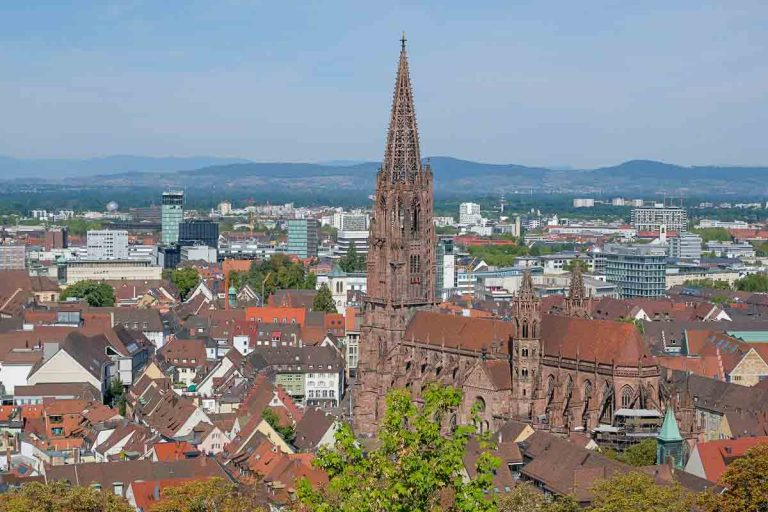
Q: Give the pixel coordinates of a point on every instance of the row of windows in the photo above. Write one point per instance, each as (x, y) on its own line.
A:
(325, 393)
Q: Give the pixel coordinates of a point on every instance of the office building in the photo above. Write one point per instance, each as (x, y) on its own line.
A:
(169, 256)
(685, 246)
(303, 237)
(731, 249)
(199, 253)
(147, 215)
(445, 276)
(637, 270)
(107, 244)
(351, 221)
(171, 215)
(651, 218)
(199, 232)
(12, 257)
(110, 270)
(346, 238)
(469, 214)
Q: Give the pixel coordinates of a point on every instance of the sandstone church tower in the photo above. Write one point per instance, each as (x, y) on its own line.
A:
(525, 348)
(401, 255)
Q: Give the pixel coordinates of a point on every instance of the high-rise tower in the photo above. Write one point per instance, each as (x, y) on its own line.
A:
(401, 253)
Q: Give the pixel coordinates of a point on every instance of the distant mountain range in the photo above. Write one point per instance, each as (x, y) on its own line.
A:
(64, 167)
(453, 177)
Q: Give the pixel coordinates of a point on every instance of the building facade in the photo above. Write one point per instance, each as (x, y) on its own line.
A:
(445, 272)
(12, 257)
(651, 218)
(111, 270)
(401, 256)
(199, 232)
(685, 246)
(171, 215)
(637, 271)
(469, 214)
(303, 237)
(107, 244)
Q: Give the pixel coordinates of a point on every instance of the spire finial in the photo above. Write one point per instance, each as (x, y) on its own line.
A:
(402, 41)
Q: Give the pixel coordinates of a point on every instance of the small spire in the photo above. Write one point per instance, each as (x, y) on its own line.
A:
(402, 41)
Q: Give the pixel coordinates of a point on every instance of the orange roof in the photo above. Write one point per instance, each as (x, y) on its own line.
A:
(144, 491)
(716, 455)
(173, 450)
(268, 314)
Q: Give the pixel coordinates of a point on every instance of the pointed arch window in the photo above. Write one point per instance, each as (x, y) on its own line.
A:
(627, 393)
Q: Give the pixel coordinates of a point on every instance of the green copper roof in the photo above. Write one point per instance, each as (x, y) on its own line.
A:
(337, 272)
(750, 336)
(669, 431)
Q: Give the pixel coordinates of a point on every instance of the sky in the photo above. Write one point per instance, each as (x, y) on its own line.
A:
(551, 83)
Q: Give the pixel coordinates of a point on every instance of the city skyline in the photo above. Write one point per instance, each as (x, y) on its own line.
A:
(564, 85)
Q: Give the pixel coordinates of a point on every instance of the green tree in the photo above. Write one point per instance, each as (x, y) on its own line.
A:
(753, 283)
(717, 284)
(414, 468)
(324, 300)
(571, 265)
(61, 497)
(640, 454)
(115, 395)
(215, 494)
(712, 234)
(277, 273)
(352, 261)
(745, 482)
(185, 280)
(638, 492)
(524, 497)
(270, 416)
(94, 293)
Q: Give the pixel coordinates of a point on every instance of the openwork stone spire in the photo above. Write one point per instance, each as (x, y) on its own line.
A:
(402, 240)
(577, 302)
(402, 160)
(526, 309)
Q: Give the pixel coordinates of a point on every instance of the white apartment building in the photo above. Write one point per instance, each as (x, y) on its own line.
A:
(107, 244)
(583, 203)
(112, 270)
(469, 214)
(651, 218)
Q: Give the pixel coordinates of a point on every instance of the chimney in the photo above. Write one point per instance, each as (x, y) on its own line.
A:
(49, 349)
(156, 492)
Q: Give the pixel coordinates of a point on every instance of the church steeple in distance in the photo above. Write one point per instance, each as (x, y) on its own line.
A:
(402, 236)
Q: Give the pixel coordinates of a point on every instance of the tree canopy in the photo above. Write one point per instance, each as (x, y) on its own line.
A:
(185, 279)
(271, 417)
(324, 300)
(61, 497)
(753, 283)
(214, 494)
(717, 284)
(414, 467)
(638, 492)
(712, 234)
(640, 454)
(94, 293)
(276, 273)
(524, 497)
(745, 482)
(352, 261)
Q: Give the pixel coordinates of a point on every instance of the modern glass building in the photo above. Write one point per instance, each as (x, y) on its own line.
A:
(636, 270)
(303, 237)
(171, 215)
(199, 232)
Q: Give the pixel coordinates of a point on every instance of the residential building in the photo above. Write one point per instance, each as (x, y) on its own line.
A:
(469, 214)
(685, 246)
(351, 221)
(651, 218)
(583, 203)
(172, 214)
(12, 257)
(107, 244)
(711, 459)
(56, 239)
(303, 237)
(637, 270)
(199, 232)
(341, 283)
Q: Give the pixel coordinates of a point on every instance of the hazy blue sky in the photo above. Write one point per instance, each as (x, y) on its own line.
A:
(581, 83)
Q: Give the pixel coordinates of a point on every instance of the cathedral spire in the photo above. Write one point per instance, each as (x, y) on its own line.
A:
(577, 302)
(402, 160)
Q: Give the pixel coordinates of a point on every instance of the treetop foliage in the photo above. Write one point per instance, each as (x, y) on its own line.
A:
(96, 294)
(324, 300)
(276, 273)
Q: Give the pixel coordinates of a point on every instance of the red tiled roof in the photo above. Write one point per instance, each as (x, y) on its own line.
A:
(716, 455)
(453, 331)
(173, 450)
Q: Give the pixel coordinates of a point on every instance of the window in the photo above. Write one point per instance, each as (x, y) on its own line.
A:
(55, 419)
(626, 396)
(525, 352)
(524, 373)
(57, 431)
(117, 488)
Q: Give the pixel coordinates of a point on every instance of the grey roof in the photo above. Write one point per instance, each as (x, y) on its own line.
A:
(307, 359)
